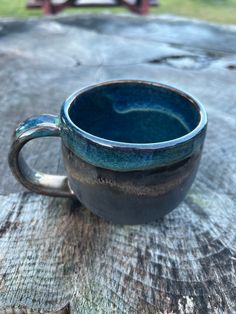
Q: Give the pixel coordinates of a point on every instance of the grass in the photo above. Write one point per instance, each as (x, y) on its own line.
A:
(222, 11)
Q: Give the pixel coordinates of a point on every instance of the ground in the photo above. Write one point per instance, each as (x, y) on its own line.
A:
(222, 11)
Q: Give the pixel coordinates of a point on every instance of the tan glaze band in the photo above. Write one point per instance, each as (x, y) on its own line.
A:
(88, 174)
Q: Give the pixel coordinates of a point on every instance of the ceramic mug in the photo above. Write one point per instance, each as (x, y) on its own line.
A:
(131, 149)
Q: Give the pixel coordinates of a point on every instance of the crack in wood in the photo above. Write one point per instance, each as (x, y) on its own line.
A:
(25, 310)
(185, 62)
(231, 66)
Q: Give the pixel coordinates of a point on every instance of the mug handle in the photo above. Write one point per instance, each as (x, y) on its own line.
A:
(40, 126)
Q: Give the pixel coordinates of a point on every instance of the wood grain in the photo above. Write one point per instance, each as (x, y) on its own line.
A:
(55, 256)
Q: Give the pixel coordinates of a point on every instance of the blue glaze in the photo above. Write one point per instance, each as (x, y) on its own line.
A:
(35, 125)
(132, 113)
(127, 125)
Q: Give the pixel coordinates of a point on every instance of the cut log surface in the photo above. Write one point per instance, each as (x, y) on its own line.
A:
(56, 256)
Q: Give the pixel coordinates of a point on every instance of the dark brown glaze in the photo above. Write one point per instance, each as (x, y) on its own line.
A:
(130, 197)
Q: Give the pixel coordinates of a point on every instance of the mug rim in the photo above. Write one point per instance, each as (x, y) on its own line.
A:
(155, 145)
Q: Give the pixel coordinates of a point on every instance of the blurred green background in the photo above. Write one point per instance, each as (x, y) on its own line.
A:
(222, 11)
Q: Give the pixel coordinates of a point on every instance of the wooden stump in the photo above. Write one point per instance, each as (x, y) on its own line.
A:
(58, 257)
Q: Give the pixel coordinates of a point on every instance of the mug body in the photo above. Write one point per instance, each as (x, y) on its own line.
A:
(131, 149)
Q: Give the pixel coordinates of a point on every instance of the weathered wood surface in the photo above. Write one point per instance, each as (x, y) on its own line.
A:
(57, 256)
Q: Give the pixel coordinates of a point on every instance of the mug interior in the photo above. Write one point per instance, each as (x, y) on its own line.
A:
(134, 112)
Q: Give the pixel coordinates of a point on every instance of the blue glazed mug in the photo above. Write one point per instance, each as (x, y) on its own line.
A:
(131, 149)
